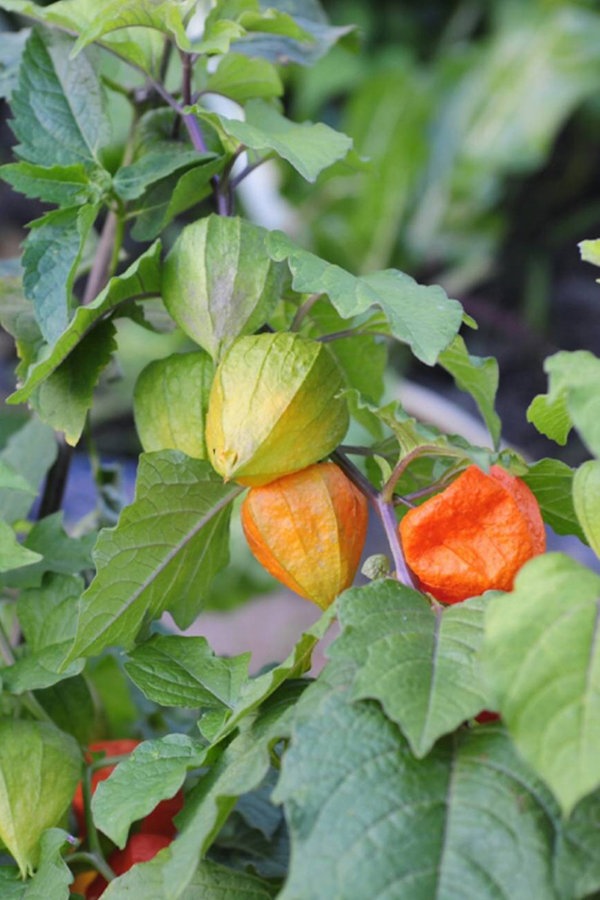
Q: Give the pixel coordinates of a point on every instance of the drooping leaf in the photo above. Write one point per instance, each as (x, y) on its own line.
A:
(142, 278)
(309, 148)
(420, 665)
(51, 256)
(478, 376)
(423, 317)
(53, 875)
(240, 768)
(551, 481)
(48, 762)
(468, 820)
(174, 670)
(12, 553)
(166, 547)
(240, 78)
(541, 660)
(154, 771)
(573, 398)
(170, 401)
(59, 106)
(586, 500)
(219, 281)
(30, 452)
(65, 396)
(166, 17)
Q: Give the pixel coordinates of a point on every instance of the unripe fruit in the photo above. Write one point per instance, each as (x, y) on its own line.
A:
(474, 536)
(308, 530)
(274, 408)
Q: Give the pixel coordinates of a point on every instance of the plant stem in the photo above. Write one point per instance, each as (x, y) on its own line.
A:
(27, 699)
(56, 480)
(99, 272)
(93, 861)
(303, 311)
(423, 450)
(390, 525)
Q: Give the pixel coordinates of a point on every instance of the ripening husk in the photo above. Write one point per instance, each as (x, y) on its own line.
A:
(474, 536)
(274, 408)
(308, 530)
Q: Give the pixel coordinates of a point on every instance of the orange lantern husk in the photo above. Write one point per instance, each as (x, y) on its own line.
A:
(308, 530)
(474, 536)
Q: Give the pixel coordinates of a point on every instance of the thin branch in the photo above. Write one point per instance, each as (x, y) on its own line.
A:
(303, 310)
(56, 480)
(104, 254)
(423, 450)
(354, 474)
(390, 525)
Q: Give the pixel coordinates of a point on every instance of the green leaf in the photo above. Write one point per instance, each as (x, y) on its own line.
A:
(71, 706)
(59, 106)
(12, 46)
(64, 398)
(163, 552)
(47, 616)
(51, 256)
(153, 771)
(420, 665)
(309, 148)
(12, 554)
(174, 670)
(577, 855)
(59, 551)
(586, 500)
(573, 396)
(13, 481)
(212, 881)
(166, 17)
(590, 251)
(63, 185)
(170, 401)
(241, 78)
(470, 818)
(30, 452)
(542, 659)
(140, 279)
(170, 196)
(131, 181)
(240, 768)
(48, 762)
(551, 417)
(421, 316)
(478, 376)
(52, 879)
(551, 481)
(219, 281)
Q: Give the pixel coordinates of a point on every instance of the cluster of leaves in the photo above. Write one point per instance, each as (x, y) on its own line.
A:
(367, 781)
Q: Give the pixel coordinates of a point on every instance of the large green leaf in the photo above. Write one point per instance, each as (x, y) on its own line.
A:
(573, 398)
(166, 16)
(174, 670)
(46, 763)
(141, 278)
(477, 376)
(240, 768)
(368, 819)
(541, 658)
(58, 108)
(421, 316)
(219, 281)
(309, 148)
(164, 551)
(421, 665)
(586, 500)
(51, 256)
(552, 481)
(154, 771)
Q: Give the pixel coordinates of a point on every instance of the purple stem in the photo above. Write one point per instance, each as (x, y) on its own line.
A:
(390, 525)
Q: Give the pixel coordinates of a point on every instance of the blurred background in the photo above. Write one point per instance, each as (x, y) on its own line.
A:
(477, 132)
